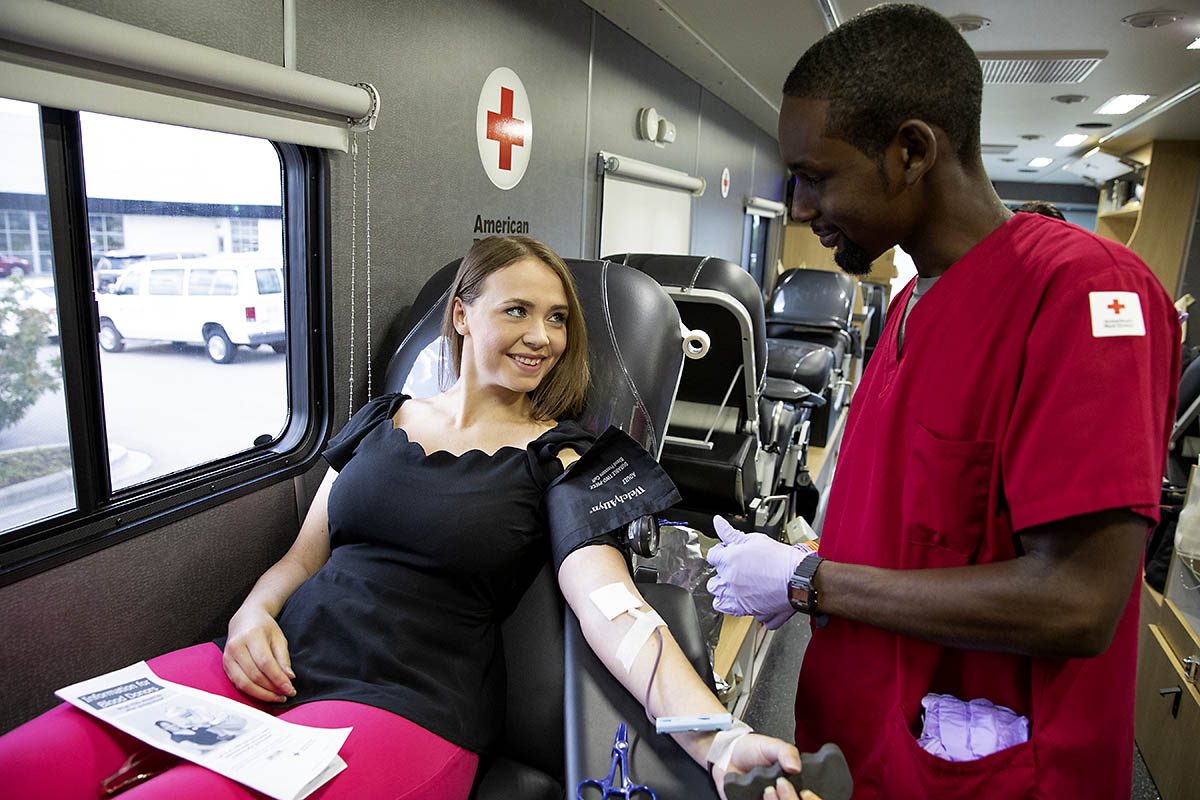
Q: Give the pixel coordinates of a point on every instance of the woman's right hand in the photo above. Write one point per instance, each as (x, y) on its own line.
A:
(256, 658)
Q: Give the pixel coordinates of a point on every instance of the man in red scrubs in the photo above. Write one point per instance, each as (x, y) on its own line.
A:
(1003, 455)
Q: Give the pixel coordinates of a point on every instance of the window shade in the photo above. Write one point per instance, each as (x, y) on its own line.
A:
(66, 58)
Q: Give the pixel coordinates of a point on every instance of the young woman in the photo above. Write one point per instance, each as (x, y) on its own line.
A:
(384, 614)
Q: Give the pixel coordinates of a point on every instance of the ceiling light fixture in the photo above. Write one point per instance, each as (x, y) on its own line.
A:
(1071, 140)
(1122, 103)
(1040, 161)
(1152, 19)
(1194, 45)
(1146, 116)
(968, 23)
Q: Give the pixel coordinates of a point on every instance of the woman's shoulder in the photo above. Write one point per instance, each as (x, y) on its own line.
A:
(566, 433)
(564, 442)
(341, 446)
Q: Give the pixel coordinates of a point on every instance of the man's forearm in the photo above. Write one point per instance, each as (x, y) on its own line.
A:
(1061, 599)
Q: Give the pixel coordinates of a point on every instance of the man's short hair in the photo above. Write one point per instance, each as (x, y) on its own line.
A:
(1041, 207)
(888, 64)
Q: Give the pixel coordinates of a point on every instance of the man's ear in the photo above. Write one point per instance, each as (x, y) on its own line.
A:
(917, 145)
(460, 317)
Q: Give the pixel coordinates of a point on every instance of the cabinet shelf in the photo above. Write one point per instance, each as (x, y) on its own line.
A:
(1158, 228)
(1129, 212)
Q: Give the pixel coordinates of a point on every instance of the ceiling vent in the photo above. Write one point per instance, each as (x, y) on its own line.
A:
(1039, 67)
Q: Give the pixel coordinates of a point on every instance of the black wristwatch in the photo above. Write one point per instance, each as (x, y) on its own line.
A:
(801, 592)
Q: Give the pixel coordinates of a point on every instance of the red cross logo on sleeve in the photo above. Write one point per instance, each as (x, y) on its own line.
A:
(1115, 305)
(505, 128)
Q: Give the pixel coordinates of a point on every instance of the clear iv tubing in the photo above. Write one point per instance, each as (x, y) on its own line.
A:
(653, 672)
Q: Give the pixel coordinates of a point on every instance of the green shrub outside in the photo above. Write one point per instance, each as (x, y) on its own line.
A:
(22, 378)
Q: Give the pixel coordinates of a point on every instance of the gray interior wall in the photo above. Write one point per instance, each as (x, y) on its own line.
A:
(720, 221)
(170, 588)
(586, 80)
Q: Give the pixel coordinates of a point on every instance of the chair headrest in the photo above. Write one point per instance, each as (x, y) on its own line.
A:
(814, 297)
(715, 274)
(635, 348)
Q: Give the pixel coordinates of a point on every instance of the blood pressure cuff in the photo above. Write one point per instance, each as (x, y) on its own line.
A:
(611, 485)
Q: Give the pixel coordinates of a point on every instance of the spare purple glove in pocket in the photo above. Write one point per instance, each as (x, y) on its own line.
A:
(957, 730)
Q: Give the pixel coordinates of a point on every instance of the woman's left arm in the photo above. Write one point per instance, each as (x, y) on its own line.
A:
(677, 689)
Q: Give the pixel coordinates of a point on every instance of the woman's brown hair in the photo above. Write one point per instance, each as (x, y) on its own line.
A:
(561, 392)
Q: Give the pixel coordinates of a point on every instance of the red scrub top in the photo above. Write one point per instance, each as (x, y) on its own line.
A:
(1026, 393)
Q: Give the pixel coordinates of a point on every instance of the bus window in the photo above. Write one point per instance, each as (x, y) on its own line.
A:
(35, 458)
(157, 284)
(192, 369)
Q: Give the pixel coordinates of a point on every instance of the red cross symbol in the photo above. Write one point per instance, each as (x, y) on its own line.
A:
(1116, 305)
(505, 128)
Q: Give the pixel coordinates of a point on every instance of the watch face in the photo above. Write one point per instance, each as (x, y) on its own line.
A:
(799, 598)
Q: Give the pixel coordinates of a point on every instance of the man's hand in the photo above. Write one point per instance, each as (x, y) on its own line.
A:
(752, 574)
(256, 658)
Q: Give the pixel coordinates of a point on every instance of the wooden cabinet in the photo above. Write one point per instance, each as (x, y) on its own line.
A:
(1158, 229)
(1167, 725)
(803, 250)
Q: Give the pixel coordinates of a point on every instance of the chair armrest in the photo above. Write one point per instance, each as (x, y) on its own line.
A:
(596, 702)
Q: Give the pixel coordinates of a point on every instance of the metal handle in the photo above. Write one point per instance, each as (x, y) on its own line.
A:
(1177, 691)
(1191, 669)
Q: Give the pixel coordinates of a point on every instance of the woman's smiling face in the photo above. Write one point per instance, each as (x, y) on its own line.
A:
(516, 329)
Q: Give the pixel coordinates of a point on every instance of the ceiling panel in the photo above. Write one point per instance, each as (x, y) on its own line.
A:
(742, 52)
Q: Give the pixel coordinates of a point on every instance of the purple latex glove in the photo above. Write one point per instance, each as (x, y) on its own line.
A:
(752, 574)
(956, 730)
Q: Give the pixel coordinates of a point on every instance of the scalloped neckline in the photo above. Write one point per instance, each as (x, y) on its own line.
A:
(473, 452)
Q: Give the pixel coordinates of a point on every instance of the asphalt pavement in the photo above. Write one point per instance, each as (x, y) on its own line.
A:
(166, 409)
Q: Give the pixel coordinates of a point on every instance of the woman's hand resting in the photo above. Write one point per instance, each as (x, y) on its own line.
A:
(756, 750)
(256, 656)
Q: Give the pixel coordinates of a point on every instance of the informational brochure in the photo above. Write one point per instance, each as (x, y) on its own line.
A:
(278, 758)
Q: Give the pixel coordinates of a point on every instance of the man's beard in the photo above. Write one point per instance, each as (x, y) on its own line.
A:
(852, 258)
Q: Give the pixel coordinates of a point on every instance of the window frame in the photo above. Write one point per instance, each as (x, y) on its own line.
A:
(102, 517)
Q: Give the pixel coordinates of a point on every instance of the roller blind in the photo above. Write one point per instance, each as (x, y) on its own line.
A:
(66, 58)
(639, 217)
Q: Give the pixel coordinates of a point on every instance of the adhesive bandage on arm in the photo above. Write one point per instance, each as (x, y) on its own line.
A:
(643, 628)
(615, 599)
(721, 750)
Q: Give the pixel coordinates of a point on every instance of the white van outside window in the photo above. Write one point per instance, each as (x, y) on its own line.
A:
(220, 302)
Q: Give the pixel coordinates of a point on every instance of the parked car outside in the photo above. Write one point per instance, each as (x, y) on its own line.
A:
(11, 264)
(112, 265)
(220, 302)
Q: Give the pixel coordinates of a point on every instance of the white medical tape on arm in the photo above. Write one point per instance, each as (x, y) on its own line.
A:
(614, 599)
(721, 750)
(631, 643)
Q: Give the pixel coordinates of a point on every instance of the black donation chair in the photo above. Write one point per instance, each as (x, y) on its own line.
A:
(874, 315)
(811, 339)
(635, 352)
(1184, 443)
(730, 449)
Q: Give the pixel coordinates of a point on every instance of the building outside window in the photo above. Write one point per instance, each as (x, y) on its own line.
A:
(107, 232)
(244, 235)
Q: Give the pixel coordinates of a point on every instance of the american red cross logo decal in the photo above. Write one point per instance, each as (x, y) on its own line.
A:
(505, 128)
(1116, 306)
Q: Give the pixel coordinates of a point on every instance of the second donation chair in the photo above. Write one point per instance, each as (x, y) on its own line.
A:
(737, 440)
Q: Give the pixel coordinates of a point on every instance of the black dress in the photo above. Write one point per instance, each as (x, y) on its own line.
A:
(429, 553)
